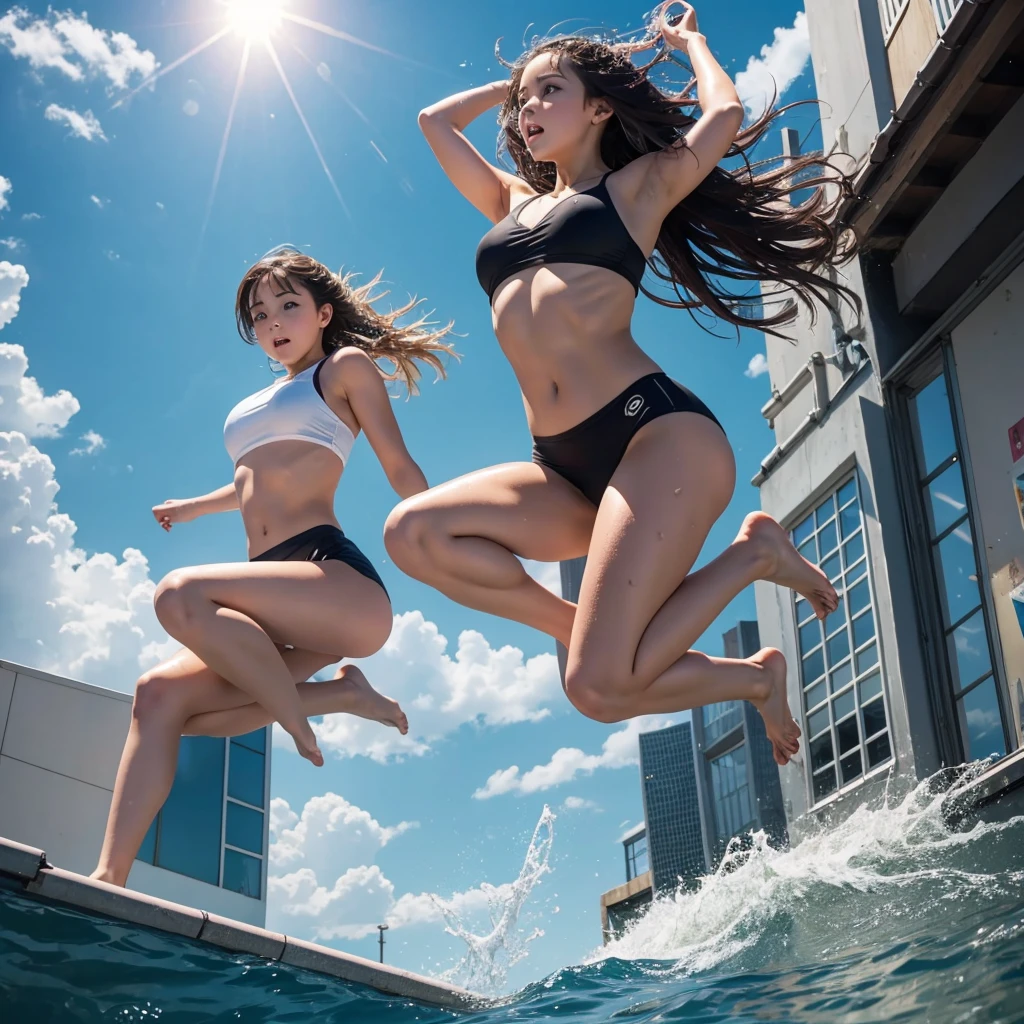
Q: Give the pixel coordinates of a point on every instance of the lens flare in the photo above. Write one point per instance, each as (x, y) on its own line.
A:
(254, 19)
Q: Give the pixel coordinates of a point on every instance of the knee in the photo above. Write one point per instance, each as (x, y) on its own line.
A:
(410, 534)
(176, 601)
(156, 696)
(593, 693)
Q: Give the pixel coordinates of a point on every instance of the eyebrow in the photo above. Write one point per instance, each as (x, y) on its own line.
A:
(288, 289)
(541, 78)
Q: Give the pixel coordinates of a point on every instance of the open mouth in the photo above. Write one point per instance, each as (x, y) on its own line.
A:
(533, 130)
(278, 342)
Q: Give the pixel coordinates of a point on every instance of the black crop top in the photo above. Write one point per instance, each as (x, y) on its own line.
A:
(582, 228)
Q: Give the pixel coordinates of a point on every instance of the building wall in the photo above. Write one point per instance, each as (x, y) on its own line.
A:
(988, 348)
(60, 746)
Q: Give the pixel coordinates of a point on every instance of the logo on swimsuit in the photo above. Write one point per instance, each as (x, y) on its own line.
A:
(634, 405)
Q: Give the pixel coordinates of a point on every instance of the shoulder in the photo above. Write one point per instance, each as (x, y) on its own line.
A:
(349, 368)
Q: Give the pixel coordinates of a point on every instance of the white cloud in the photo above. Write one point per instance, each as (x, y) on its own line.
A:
(781, 63)
(440, 692)
(23, 404)
(31, 216)
(578, 803)
(99, 202)
(620, 749)
(159, 205)
(547, 574)
(190, 108)
(5, 187)
(322, 874)
(68, 42)
(83, 126)
(93, 443)
(757, 365)
(13, 277)
(11, 243)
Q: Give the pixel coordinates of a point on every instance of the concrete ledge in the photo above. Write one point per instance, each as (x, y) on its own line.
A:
(28, 866)
(1005, 775)
(20, 862)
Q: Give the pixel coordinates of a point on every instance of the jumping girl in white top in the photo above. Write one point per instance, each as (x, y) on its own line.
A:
(307, 597)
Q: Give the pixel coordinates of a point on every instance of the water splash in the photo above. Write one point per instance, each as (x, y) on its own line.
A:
(866, 880)
(488, 959)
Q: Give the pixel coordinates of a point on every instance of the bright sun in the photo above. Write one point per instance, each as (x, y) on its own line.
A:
(254, 19)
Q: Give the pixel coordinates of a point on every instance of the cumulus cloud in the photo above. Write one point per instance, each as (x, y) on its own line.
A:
(322, 874)
(11, 243)
(757, 365)
(24, 406)
(5, 188)
(93, 443)
(83, 126)
(70, 44)
(441, 692)
(13, 277)
(781, 63)
(31, 216)
(619, 750)
(578, 803)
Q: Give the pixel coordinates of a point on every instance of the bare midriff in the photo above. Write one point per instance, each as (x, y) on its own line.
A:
(565, 328)
(284, 488)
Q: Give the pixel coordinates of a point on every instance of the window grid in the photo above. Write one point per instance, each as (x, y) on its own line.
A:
(730, 787)
(637, 861)
(846, 719)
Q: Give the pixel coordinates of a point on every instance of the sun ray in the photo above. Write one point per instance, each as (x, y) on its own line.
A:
(305, 124)
(243, 63)
(319, 26)
(175, 64)
(334, 85)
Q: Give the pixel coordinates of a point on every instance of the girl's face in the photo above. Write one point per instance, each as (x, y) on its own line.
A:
(286, 319)
(556, 116)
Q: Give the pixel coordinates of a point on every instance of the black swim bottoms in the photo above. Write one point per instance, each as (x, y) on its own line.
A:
(587, 455)
(322, 544)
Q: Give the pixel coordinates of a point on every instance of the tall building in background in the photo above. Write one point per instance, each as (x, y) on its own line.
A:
(899, 458)
(60, 748)
(737, 778)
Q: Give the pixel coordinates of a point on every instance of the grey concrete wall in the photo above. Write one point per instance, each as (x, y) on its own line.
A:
(988, 349)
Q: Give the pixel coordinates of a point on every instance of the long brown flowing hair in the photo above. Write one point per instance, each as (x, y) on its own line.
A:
(738, 225)
(355, 321)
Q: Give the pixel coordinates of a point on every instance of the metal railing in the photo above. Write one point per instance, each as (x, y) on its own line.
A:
(944, 11)
(891, 11)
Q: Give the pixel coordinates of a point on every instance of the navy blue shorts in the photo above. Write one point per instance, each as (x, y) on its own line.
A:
(322, 544)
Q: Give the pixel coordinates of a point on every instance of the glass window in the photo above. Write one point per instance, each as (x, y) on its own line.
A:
(933, 426)
(637, 861)
(835, 730)
(958, 574)
(982, 722)
(148, 849)
(244, 828)
(245, 775)
(720, 719)
(730, 791)
(242, 873)
(190, 820)
(256, 740)
(947, 503)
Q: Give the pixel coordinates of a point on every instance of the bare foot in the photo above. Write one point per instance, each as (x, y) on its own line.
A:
(783, 732)
(786, 566)
(306, 745)
(368, 702)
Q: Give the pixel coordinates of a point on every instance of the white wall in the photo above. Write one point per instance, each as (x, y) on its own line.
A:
(60, 745)
(989, 351)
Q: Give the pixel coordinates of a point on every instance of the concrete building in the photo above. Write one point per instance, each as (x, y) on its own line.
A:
(626, 902)
(60, 744)
(899, 438)
(738, 786)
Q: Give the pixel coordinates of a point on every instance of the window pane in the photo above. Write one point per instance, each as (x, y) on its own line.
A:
(815, 695)
(841, 676)
(810, 636)
(968, 650)
(851, 766)
(838, 647)
(847, 491)
(803, 531)
(831, 567)
(958, 573)
(824, 783)
(859, 597)
(874, 717)
(879, 751)
(867, 658)
(821, 751)
(242, 873)
(933, 424)
(731, 793)
(245, 775)
(844, 705)
(256, 740)
(853, 549)
(980, 722)
(817, 722)
(828, 539)
(825, 511)
(191, 817)
(869, 688)
(837, 618)
(147, 851)
(945, 499)
(863, 628)
(847, 734)
(814, 666)
(803, 610)
(244, 828)
(860, 569)
(849, 520)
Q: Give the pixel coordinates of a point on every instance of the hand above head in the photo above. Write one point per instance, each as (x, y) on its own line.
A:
(677, 31)
(175, 510)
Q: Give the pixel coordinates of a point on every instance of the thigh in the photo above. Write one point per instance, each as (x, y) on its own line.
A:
(199, 689)
(673, 483)
(526, 508)
(319, 606)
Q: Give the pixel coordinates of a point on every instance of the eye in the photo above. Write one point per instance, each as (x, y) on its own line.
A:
(259, 316)
(549, 86)
(290, 303)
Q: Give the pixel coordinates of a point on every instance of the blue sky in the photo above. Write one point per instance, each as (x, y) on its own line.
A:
(123, 336)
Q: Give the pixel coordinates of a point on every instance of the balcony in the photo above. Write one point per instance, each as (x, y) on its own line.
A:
(912, 28)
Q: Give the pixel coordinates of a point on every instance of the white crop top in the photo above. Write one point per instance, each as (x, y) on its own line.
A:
(291, 409)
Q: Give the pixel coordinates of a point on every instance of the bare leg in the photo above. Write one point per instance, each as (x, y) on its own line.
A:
(349, 692)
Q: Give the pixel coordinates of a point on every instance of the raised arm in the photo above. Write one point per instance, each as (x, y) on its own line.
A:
(671, 175)
(355, 377)
(487, 187)
(184, 510)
